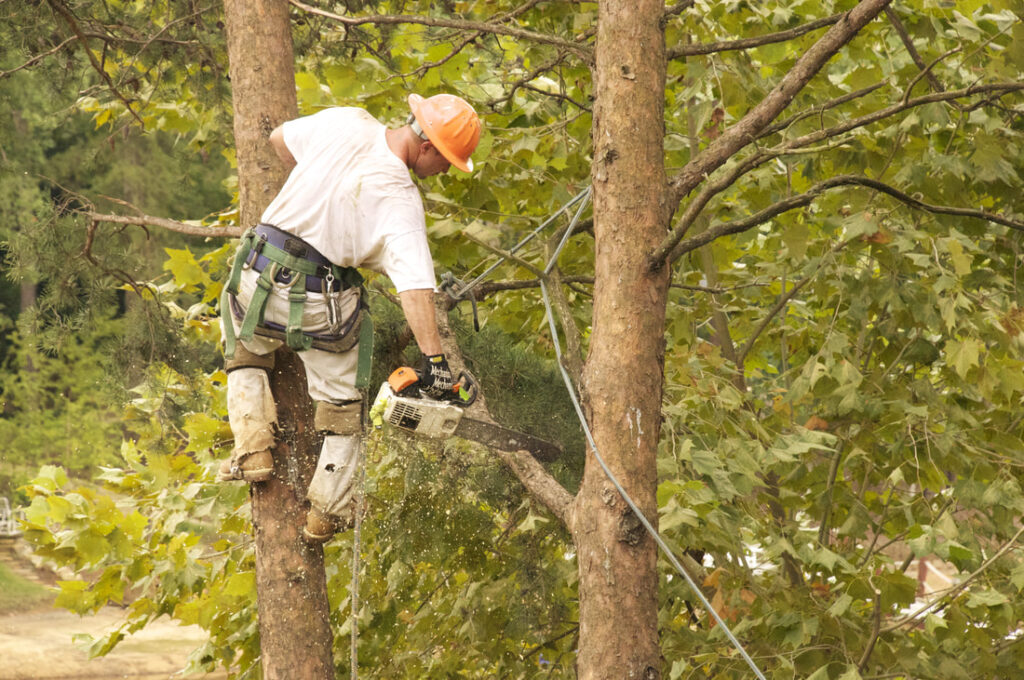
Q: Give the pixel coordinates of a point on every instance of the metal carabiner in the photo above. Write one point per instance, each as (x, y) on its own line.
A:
(331, 299)
(254, 251)
(292, 277)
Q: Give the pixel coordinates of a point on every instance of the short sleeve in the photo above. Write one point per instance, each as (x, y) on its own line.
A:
(408, 262)
(300, 133)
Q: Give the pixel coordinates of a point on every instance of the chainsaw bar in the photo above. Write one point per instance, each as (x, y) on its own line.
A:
(504, 439)
(402, 405)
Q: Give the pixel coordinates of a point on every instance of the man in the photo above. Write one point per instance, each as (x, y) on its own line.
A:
(348, 202)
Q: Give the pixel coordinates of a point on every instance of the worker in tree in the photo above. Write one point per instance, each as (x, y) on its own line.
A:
(348, 202)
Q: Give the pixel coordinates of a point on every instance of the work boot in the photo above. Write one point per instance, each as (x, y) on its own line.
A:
(252, 467)
(321, 527)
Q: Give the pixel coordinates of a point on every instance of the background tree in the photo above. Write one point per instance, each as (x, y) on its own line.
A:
(291, 588)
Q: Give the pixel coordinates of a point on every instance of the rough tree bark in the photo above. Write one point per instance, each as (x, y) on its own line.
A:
(295, 632)
(623, 372)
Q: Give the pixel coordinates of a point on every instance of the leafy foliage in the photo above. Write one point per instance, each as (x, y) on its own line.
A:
(843, 380)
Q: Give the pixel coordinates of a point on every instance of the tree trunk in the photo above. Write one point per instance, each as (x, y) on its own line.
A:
(623, 375)
(295, 632)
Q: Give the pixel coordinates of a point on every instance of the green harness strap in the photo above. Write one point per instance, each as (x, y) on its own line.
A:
(365, 353)
(258, 305)
(231, 288)
(296, 301)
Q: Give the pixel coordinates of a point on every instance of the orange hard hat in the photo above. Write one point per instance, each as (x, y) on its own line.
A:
(451, 125)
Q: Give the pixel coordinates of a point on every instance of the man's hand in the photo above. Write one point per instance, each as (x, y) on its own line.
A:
(436, 379)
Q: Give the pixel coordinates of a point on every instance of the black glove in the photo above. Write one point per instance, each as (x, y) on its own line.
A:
(436, 379)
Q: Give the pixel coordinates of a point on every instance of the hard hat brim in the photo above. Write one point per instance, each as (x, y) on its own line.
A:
(464, 164)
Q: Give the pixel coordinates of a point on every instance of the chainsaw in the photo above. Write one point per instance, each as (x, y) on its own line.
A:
(401, 403)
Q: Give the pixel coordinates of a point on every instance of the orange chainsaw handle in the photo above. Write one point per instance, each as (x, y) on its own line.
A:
(402, 378)
(464, 391)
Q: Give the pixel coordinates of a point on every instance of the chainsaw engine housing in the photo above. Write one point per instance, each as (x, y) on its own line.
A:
(419, 415)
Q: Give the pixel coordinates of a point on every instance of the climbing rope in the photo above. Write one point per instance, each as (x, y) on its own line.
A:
(570, 387)
(353, 586)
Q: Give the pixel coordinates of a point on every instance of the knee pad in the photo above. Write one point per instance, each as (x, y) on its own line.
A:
(245, 359)
(252, 413)
(332, 489)
(346, 418)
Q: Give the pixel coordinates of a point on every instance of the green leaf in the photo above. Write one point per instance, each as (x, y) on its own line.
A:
(74, 595)
(1017, 577)
(242, 584)
(962, 355)
(820, 674)
(986, 598)
(961, 260)
(841, 605)
(188, 274)
(851, 673)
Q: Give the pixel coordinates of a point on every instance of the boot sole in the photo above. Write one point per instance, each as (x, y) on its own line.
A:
(316, 538)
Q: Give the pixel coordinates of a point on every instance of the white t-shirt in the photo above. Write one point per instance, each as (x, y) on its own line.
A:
(351, 198)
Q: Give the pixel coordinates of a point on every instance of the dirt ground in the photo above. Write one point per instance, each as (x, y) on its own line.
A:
(37, 646)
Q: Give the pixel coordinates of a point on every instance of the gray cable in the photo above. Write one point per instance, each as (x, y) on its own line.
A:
(585, 197)
(457, 295)
(625, 496)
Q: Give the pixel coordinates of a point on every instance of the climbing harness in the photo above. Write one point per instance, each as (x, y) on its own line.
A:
(286, 262)
(570, 387)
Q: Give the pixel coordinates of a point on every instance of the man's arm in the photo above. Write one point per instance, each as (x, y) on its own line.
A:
(418, 306)
(280, 148)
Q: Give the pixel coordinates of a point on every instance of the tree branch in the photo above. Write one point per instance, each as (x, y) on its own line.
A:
(667, 250)
(541, 486)
(747, 129)
(756, 41)
(820, 109)
(461, 24)
(908, 43)
(556, 95)
(423, 68)
(876, 630)
(546, 66)
(801, 200)
(38, 57)
(677, 9)
(959, 588)
(66, 14)
(143, 220)
(881, 114)
(504, 254)
(488, 288)
(573, 354)
(783, 301)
